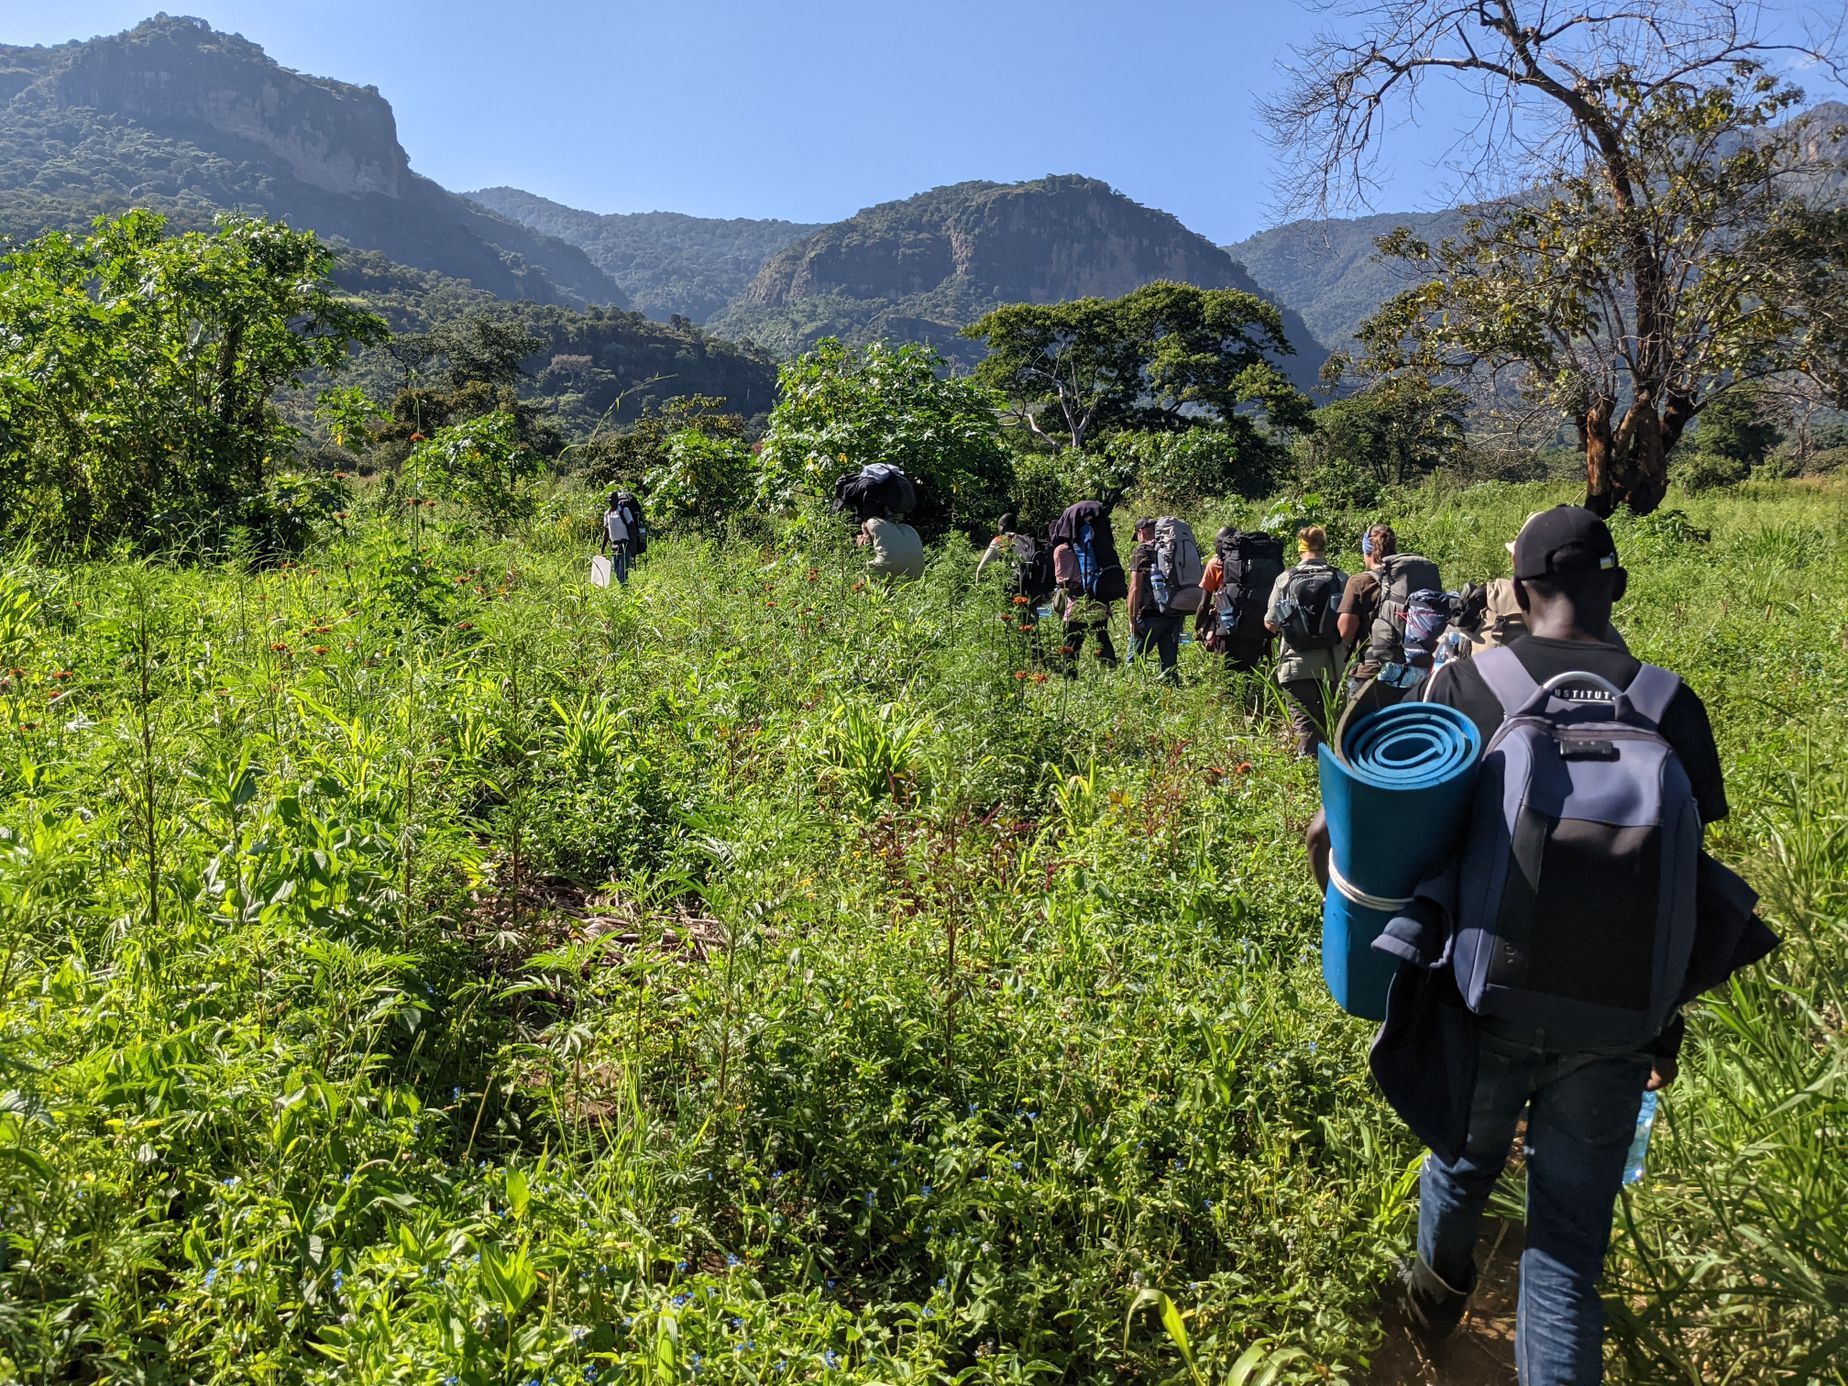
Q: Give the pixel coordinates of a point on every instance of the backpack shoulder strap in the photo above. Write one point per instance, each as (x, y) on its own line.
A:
(1651, 692)
(1507, 679)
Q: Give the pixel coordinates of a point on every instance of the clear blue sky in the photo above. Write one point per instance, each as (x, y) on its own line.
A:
(807, 109)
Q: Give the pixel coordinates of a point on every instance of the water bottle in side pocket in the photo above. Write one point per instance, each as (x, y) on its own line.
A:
(1639, 1143)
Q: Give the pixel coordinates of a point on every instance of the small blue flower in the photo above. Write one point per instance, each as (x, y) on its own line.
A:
(730, 1259)
(832, 1358)
(869, 1198)
(682, 1300)
(928, 1191)
(210, 1276)
(681, 1266)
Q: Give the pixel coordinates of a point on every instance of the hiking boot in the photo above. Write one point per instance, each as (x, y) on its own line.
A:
(1433, 1306)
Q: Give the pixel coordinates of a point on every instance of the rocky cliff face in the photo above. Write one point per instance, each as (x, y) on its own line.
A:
(175, 116)
(181, 76)
(927, 266)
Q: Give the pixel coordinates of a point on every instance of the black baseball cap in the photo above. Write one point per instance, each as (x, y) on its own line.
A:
(1146, 522)
(1565, 539)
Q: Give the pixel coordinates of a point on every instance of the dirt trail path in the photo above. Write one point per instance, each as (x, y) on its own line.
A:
(1482, 1353)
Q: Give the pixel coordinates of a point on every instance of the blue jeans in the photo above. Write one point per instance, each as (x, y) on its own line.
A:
(1581, 1115)
(619, 561)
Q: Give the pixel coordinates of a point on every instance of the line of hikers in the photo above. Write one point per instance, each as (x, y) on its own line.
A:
(1542, 970)
(1362, 642)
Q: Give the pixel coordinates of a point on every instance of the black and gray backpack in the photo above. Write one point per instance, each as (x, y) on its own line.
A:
(1575, 907)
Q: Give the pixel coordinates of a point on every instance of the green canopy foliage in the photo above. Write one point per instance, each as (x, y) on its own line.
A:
(842, 409)
(1161, 359)
(138, 370)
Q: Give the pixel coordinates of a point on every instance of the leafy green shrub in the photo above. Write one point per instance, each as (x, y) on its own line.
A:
(1709, 471)
(698, 481)
(481, 464)
(842, 409)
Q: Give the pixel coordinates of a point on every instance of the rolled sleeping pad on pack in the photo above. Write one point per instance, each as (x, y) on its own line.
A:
(1396, 798)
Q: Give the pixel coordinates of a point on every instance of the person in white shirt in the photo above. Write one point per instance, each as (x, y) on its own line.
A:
(616, 538)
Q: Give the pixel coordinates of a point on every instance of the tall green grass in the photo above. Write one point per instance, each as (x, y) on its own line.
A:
(420, 964)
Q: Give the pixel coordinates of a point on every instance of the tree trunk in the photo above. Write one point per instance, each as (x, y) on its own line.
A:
(1628, 465)
(1594, 431)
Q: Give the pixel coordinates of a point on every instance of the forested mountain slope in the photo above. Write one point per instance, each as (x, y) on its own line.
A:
(925, 267)
(666, 262)
(176, 116)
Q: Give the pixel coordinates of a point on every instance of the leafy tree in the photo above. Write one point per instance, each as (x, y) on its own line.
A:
(1665, 247)
(349, 414)
(481, 464)
(1162, 358)
(631, 455)
(1398, 430)
(842, 409)
(138, 369)
(1741, 425)
(698, 479)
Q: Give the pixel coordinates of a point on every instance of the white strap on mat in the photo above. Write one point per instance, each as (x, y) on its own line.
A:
(1353, 893)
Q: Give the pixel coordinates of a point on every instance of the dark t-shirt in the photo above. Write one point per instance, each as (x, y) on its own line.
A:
(1685, 725)
(1361, 597)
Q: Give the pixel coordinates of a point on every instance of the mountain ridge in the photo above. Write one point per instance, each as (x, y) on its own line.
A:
(667, 262)
(928, 265)
(175, 115)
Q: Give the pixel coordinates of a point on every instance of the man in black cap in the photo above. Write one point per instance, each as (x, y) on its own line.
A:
(1580, 1105)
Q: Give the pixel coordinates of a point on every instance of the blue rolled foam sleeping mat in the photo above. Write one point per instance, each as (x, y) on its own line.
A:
(1396, 798)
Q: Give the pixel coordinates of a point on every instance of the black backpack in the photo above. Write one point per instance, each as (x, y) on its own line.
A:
(1309, 612)
(1033, 576)
(1252, 561)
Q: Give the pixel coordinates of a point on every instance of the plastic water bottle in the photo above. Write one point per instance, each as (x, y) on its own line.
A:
(1160, 583)
(1639, 1143)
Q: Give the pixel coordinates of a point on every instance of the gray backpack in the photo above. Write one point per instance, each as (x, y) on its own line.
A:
(1575, 904)
(1400, 575)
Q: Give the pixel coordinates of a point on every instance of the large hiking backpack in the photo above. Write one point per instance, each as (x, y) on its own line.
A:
(1177, 571)
(1576, 891)
(1427, 616)
(1033, 575)
(1309, 612)
(878, 490)
(1251, 561)
(1099, 573)
(1400, 575)
(638, 529)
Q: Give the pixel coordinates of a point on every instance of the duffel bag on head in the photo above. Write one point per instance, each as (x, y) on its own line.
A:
(1578, 873)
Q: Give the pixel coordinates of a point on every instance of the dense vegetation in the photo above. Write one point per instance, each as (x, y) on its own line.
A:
(421, 965)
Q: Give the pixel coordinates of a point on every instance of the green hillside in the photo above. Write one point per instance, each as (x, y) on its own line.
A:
(176, 116)
(927, 266)
(666, 262)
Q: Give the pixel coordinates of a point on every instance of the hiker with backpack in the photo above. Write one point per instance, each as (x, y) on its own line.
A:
(632, 516)
(1394, 613)
(1028, 562)
(898, 552)
(1090, 579)
(1164, 589)
(1502, 621)
(1236, 588)
(1304, 613)
(617, 537)
(1542, 972)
